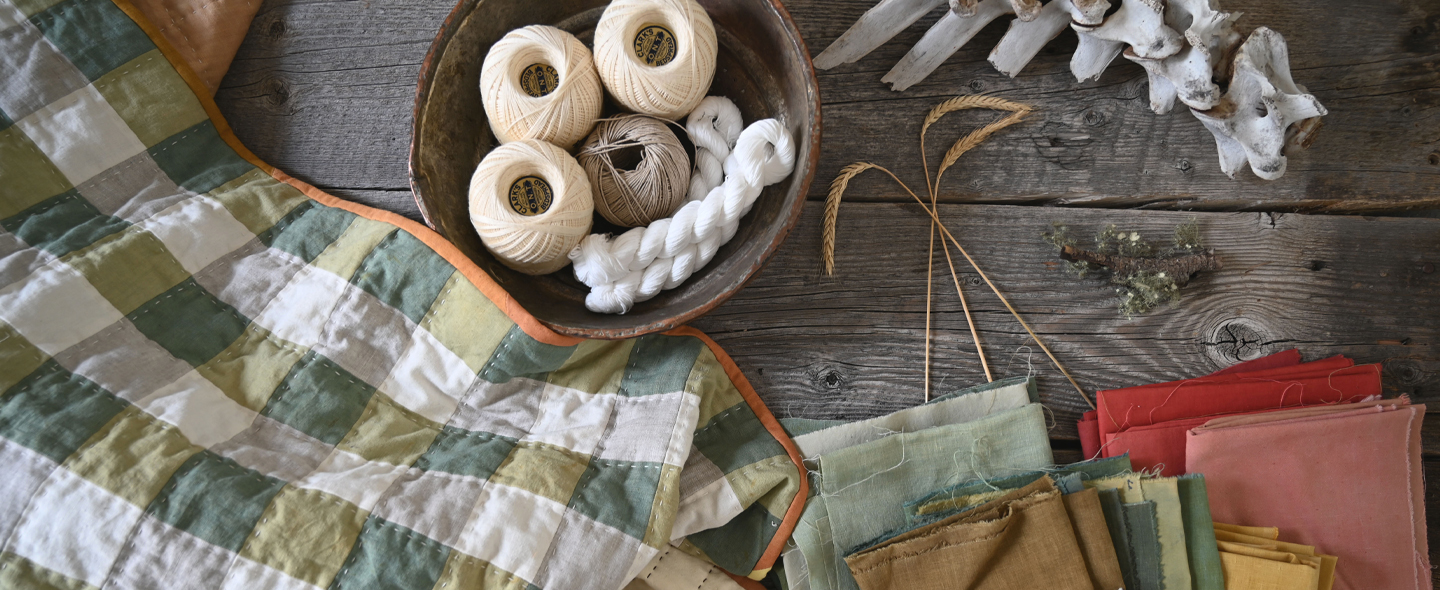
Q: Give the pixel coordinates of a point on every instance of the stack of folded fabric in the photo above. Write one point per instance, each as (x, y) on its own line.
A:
(1254, 557)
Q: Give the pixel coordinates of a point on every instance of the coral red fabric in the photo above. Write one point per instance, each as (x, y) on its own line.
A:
(1347, 481)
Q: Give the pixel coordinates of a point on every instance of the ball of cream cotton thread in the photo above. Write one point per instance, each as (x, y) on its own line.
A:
(653, 188)
(540, 242)
(669, 90)
(549, 62)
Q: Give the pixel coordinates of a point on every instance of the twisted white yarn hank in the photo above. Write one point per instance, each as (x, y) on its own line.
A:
(670, 90)
(714, 127)
(638, 264)
(532, 244)
(566, 113)
(632, 196)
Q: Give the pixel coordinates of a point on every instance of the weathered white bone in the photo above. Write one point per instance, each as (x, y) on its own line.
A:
(874, 28)
(941, 42)
(1190, 74)
(1026, 10)
(964, 7)
(1251, 119)
(1138, 23)
(1025, 39)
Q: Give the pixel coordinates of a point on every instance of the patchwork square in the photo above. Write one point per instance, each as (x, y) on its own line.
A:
(462, 452)
(297, 311)
(404, 273)
(250, 277)
(744, 539)
(30, 8)
(53, 411)
(464, 571)
(29, 57)
(199, 409)
(353, 246)
(596, 366)
(660, 364)
(429, 379)
(618, 493)
(306, 534)
(647, 428)
(18, 572)
(62, 224)
(709, 376)
(42, 307)
(252, 368)
(95, 34)
(189, 322)
(391, 556)
(365, 336)
(215, 499)
(515, 545)
(197, 158)
(18, 259)
(18, 358)
(123, 361)
(430, 503)
(81, 134)
(151, 97)
(507, 409)
(133, 190)
(389, 433)
(74, 528)
(245, 574)
(589, 561)
(546, 471)
(198, 231)
(10, 15)
(520, 355)
(24, 472)
(28, 176)
(257, 200)
(274, 449)
(307, 230)
(736, 438)
(466, 322)
(129, 268)
(319, 398)
(351, 477)
(572, 419)
(161, 556)
(133, 456)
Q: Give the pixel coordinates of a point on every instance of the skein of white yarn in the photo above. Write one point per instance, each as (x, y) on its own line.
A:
(530, 202)
(540, 83)
(714, 127)
(638, 264)
(656, 57)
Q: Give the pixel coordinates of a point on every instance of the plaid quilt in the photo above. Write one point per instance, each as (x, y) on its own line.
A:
(215, 376)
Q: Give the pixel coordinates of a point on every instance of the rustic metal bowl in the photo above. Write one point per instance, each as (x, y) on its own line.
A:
(763, 66)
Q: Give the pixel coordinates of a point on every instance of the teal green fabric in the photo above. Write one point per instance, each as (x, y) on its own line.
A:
(863, 488)
(1113, 507)
(1142, 526)
(1205, 573)
(1085, 470)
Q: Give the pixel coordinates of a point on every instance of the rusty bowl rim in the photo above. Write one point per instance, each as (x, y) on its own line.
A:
(428, 69)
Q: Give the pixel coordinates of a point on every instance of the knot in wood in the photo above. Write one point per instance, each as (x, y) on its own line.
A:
(1404, 372)
(1236, 340)
(828, 378)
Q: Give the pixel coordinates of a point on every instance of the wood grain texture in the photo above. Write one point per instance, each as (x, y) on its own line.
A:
(326, 88)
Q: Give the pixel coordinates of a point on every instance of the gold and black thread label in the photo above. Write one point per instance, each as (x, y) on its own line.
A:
(655, 45)
(539, 79)
(531, 196)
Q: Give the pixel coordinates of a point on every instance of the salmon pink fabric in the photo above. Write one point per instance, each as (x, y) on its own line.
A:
(1349, 481)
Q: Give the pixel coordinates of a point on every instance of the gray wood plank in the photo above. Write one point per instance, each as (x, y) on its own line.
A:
(324, 89)
(852, 345)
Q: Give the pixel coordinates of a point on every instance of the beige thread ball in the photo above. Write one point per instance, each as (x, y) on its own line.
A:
(630, 192)
(656, 57)
(530, 202)
(540, 82)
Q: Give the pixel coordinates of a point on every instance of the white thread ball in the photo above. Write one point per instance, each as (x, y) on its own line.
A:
(540, 82)
(510, 210)
(671, 89)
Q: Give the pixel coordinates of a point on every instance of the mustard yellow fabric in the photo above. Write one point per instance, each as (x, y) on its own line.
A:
(1267, 532)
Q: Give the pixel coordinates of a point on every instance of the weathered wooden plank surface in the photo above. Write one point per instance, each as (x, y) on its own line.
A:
(852, 345)
(326, 88)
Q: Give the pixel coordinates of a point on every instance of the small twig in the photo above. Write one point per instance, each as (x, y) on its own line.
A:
(1180, 268)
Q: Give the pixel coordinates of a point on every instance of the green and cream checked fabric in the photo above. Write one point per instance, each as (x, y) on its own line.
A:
(210, 380)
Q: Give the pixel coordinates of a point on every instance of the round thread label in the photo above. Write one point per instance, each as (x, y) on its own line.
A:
(655, 45)
(538, 80)
(531, 196)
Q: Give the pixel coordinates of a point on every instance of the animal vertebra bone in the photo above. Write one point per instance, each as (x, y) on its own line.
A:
(1185, 47)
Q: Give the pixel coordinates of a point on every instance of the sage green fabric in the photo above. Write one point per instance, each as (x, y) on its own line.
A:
(1113, 507)
(1142, 527)
(941, 503)
(1174, 561)
(1205, 572)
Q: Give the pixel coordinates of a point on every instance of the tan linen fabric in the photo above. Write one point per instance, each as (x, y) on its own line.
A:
(1088, 520)
(1020, 541)
(1327, 562)
(206, 32)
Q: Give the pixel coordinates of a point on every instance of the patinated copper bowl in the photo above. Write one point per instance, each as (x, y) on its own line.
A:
(763, 66)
